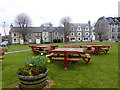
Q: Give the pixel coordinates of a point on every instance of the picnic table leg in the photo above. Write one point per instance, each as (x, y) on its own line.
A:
(0, 61)
(98, 51)
(65, 57)
(84, 59)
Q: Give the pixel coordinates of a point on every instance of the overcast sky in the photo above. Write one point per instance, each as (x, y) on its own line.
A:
(42, 11)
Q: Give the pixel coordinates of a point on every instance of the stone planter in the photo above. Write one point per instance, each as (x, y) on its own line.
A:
(38, 81)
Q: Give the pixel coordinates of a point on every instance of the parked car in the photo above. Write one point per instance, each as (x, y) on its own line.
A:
(46, 42)
(5, 43)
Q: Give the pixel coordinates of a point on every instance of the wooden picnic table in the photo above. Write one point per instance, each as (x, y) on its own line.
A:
(98, 48)
(38, 48)
(68, 55)
(2, 53)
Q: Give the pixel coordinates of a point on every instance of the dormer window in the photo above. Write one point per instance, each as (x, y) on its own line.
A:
(79, 28)
(72, 28)
(86, 28)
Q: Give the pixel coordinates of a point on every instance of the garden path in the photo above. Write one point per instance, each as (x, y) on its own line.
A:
(30, 49)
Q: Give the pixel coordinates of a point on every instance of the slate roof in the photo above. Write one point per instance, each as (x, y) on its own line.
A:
(49, 29)
(37, 29)
(111, 20)
(83, 25)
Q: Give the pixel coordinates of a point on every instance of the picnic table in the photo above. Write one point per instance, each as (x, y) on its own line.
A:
(98, 48)
(2, 53)
(68, 55)
(38, 48)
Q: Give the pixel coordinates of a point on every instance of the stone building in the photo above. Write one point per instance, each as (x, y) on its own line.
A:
(79, 32)
(106, 28)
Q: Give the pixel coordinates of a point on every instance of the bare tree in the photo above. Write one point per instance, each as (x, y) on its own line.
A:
(65, 21)
(23, 21)
(4, 26)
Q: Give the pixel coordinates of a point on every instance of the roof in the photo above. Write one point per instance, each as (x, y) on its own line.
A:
(110, 20)
(83, 25)
(37, 29)
(49, 29)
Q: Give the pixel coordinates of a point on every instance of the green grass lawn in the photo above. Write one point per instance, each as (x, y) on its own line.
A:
(101, 72)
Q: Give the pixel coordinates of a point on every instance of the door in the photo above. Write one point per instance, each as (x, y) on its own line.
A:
(37, 40)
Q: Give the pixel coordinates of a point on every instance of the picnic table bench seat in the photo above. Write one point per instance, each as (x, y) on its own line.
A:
(62, 59)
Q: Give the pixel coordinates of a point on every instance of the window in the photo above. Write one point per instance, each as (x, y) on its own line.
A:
(30, 40)
(87, 29)
(79, 28)
(37, 34)
(45, 39)
(61, 33)
(78, 38)
(112, 37)
(72, 28)
(56, 37)
(14, 34)
(85, 38)
(72, 34)
(113, 30)
(15, 40)
(30, 34)
(72, 39)
(79, 34)
(56, 33)
(86, 34)
(45, 34)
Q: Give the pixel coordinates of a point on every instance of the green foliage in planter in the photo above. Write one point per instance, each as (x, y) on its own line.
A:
(34, 65)
(23, 70)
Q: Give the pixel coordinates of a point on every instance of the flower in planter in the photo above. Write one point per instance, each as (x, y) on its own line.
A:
(48, 61)
(31, 65)
(34, 65)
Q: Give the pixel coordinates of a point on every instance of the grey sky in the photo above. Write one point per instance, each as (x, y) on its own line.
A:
(42, 11)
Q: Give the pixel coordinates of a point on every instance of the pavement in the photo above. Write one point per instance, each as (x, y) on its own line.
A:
(30, 49)
(18, 51)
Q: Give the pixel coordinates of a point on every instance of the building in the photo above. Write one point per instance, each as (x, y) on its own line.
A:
(106, 28)
(79, 32)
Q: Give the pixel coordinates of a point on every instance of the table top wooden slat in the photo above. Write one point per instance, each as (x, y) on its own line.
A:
(69, 50)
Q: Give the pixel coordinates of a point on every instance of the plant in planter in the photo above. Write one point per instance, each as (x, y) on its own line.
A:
(33, 73)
